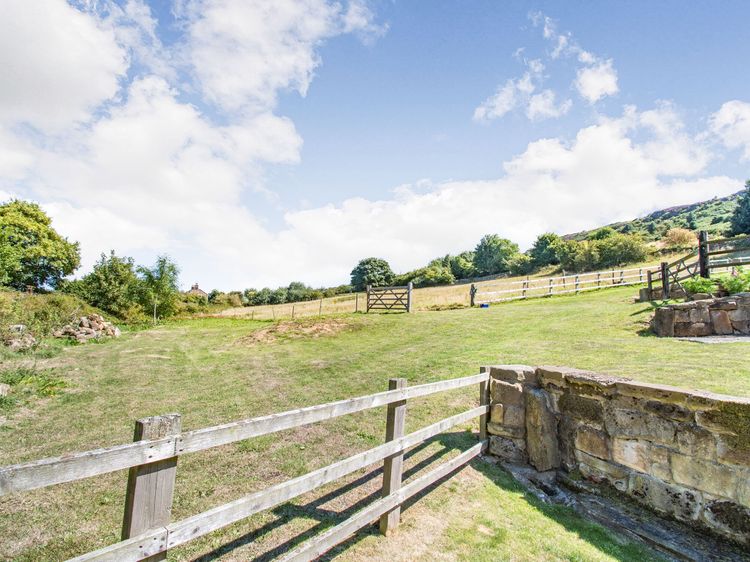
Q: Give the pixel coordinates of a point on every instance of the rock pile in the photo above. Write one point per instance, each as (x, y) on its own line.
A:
(88, 327)
(19, 338)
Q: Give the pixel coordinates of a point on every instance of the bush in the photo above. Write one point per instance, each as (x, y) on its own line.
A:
(434, 275)
(680, 238)
(732, 284)
(699, 285)
(41, 314)
(521, 264)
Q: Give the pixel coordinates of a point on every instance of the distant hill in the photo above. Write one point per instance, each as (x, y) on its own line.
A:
(712, 216)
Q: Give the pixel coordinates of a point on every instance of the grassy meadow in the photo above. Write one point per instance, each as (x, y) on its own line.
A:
(215, 370)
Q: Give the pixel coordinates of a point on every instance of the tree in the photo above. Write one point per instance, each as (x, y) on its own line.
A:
(521, 264)
(462, 265)
(544, 250)
(492, 254)
(32, 253)
(740, 223)
(112, 286)
(620, 249)
(433, 275)
(159, 290)
(371, 271)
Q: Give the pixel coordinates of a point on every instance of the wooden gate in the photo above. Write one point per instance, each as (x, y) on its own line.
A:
(389, 298)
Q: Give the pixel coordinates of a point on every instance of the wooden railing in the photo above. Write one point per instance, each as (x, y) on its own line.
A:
(152, 459)
(549, 286)
(702, 261)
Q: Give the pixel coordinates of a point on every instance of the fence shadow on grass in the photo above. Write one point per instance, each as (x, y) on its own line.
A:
(421, 458)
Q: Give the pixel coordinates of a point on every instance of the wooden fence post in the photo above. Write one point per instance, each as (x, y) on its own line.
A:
(550, 286)
(598, 279)
(484, 400)
(148, 500)
(703, 254)
(367, 302)
(524, 285)
(393, 465)
(472, 294)
(664, 280)
(409, 287)
(356, 302)
(649, 282)
(577, 283)
(640, 274)
(292, 312)
(320, 309)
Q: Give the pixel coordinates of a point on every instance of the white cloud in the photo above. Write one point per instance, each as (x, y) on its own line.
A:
(596, 78)
(57, 63)
(519, 92)
(543, 106)
(731, 124)
(245, 53)
(597, 81)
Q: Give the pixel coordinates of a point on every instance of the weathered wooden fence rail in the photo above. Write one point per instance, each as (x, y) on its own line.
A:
(152, 459)
(549, 286)
(702, 261)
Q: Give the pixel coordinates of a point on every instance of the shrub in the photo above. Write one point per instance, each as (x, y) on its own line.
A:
(680, 238)
(434, 275)
(738, 283)
(620, 249)
(521, 264)
(699, 285)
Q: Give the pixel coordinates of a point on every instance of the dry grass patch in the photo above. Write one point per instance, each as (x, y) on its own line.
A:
(298, 329)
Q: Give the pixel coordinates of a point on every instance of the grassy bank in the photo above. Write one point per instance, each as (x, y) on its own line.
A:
(218, 370)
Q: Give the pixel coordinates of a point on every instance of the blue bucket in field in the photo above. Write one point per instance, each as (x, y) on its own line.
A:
(484, 305)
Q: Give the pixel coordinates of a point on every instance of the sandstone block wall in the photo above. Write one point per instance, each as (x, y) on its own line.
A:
(724, 316)
(683, 454)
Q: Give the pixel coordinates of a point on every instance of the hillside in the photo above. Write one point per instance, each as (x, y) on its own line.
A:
(712, 216)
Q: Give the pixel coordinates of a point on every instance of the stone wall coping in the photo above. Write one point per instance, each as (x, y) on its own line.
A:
(562, 376)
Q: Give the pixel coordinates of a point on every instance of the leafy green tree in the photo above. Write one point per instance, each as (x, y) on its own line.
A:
(112, 286)
(262, 297)
(544, 250)
(278, 296)
(159, 287)
(371, 271)
(32, 253)
(462, 265)
(433, 275)
(620, 249)
(298, 291)
(521, 264)
(493, 254)
(740, 223)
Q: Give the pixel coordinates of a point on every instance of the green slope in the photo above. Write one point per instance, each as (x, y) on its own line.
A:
(712, 216)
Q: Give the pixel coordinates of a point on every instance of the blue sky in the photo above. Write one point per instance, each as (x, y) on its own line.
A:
(268, 141)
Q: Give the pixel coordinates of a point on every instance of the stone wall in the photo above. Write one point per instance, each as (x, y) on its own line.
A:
(684, 454)
(724, 316)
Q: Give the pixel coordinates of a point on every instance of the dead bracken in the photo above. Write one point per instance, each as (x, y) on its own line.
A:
(298, 329)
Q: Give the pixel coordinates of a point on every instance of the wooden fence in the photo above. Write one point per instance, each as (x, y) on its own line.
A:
(147, 532)
(389, 298)
(702, 261)
(549, 286)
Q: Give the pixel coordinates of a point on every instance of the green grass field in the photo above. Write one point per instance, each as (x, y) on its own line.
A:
(213, 371)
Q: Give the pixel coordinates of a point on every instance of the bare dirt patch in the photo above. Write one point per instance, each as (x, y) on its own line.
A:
(299, 329)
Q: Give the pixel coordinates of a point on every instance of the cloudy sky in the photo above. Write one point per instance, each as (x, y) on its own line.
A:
(263, 141)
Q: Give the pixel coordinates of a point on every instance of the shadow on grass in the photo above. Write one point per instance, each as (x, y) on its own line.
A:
(328, 517)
